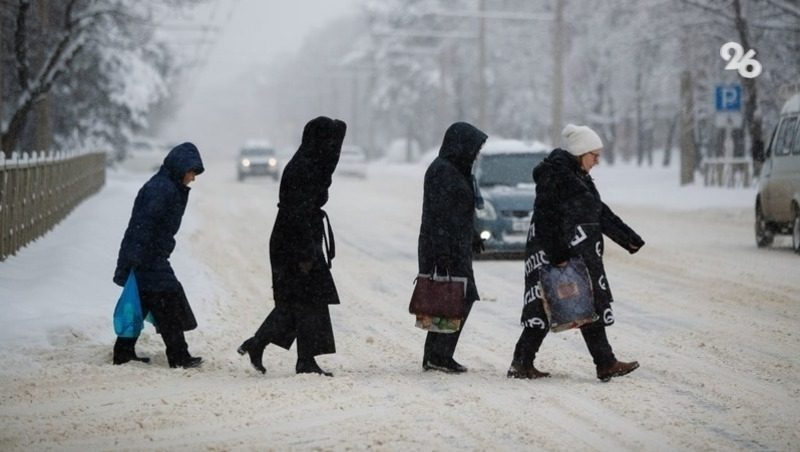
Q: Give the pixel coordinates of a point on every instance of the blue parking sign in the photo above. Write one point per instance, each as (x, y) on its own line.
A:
(729, 98)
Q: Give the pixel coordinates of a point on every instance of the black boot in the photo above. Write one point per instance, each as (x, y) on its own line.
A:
(520, 370)
(256, 353)
(187, 361)
(310, 366)
(124, 351)
(448, 365)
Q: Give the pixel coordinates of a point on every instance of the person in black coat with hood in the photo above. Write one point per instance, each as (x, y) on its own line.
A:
(301, 249)
(146, 247)
(569, 220)
(447, 231)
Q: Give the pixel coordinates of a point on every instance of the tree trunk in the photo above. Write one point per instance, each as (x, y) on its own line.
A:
(687, 130)
(752, 120)
(42, 127)
(670, 134)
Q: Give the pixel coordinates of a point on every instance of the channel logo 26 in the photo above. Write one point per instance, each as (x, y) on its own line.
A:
(738, 60)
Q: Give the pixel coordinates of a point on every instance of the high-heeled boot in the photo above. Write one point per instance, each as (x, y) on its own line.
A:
(256, 353)
(309, 365)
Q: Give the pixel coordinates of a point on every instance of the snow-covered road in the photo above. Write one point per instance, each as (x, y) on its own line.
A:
(711, 319)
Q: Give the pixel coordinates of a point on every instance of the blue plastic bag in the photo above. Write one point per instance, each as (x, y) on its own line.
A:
(128, 321)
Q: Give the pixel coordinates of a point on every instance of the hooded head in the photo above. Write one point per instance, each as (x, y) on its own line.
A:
(579, 140)
(461, 144)
(181, 159)
(322, 142)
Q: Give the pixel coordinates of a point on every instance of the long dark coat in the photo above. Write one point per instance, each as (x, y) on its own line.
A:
(570, 219)
(299, 235)
(448, 206)
(150, 237)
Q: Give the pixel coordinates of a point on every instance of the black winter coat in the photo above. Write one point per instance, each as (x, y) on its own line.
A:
(570, 219)
(299, 235)
(156, 217)
(448, 206)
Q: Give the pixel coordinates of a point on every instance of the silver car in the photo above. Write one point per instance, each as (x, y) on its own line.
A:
(778, 199)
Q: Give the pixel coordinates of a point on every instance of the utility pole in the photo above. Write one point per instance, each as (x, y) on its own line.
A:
(557, 106)
(482, 66)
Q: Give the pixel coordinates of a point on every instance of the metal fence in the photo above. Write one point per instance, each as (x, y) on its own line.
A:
(38, 190)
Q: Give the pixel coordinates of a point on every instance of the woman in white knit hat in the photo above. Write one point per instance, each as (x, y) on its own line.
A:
(569, 220)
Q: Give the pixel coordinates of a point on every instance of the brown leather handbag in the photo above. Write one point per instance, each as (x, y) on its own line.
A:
(439, 296)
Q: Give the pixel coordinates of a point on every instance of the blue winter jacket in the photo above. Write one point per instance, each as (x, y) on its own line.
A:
(156, 218)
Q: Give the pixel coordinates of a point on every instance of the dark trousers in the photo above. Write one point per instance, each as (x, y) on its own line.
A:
(594, 335)
(161, 305)
(442, 346)
(309, 324)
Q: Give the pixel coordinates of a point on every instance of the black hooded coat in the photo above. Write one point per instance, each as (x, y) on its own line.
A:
(299, 235)
(569, 220)
(448, 206)
(150, 237)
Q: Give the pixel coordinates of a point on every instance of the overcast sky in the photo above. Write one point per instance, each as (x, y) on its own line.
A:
(250, 33)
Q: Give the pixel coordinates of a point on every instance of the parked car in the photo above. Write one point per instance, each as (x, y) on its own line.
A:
(778, 199)
(258, 158)
(503, 172)
(352, 161)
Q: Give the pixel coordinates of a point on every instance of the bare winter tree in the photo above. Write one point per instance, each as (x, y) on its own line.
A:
(88, 54)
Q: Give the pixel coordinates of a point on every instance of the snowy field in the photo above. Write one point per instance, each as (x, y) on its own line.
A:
(712, 320)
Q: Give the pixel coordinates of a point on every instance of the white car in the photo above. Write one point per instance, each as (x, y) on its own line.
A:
(257, 158)
(352, 161)
(778, 200)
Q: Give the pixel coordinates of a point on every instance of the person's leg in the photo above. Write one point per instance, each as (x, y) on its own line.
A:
(440, 347)
(594, 334)
(605, 362)
(314, 337)
(525, 353)
(277, 328)
(125, 350)
(168, 325)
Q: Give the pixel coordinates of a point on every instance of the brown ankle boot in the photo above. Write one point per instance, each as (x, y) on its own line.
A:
(519, 370)
(617, 369)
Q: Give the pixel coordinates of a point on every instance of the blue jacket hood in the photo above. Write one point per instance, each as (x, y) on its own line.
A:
(181, 159)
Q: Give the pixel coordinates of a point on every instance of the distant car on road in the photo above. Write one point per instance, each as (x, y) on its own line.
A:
(778, 199)
(352, 161)
(503, 173)
(258, 158)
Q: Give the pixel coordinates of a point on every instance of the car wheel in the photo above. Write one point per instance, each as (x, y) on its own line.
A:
(796, 230)
(764, 236)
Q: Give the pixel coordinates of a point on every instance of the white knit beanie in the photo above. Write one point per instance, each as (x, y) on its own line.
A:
(580, 139)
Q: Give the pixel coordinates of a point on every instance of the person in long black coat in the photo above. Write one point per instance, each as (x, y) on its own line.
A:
(301, 249)
(145, 249)
(447, 230)
(569, 220)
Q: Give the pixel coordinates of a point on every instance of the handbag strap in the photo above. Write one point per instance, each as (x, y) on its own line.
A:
(327, 237)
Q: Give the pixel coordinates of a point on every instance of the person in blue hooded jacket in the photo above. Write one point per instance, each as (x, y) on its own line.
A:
(146, 247)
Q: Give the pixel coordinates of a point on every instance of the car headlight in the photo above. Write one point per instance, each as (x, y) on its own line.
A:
(487, 213)
(486, 235)
(245, 163)
(272, 162)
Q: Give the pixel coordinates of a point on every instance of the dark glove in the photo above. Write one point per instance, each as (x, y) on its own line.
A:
(477, 244)
(636, 243)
